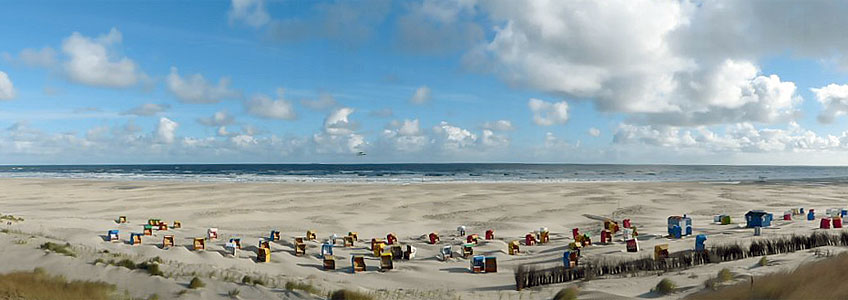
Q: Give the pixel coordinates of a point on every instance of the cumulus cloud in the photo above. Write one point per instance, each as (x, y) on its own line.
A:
(499, 125)
(405, 136)
(421, 95)
(219, 119)
(251, 12)
(339, 134)
(263, 106)
(594, 132)
(166, 131)
(454, 138)
(7, 89)
(147, 109)
(325, 101)
(547, 113)
(195, 88)
(834, 99)
(93, 61)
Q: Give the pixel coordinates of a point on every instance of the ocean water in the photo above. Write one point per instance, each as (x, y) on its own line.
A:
(407, 173)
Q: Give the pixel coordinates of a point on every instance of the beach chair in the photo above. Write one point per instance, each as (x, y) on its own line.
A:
(811, 215)
(212, 233)
(375, 242)
(177, 225)
(232, 249)
(490, 234)
(167, 241)
(491, 264)
(332, 238)
(236, 242)
(148, 229)
(472, 238)
(837, 222)
(274, 236)
(378, 248)
(725, 220)
(311, 235)
(299, 246)
(354, 235)
(386, 262)
(326, 249)
(575, 246)
(606, 236)
(626, 234)
(700, 241)
(661, 252)
(135, 238)
(391, 239)
(410, 252)
(566, 260)
(758, 231)
(467, 250)
(587, 239)
(478, 264)
(329, 262)
(163, 226)
(529, 239)
(434, 238)
(112, 235)
(632, 245)
(357, 264)
(263, 243)
(348, 241)
(787, 216)
(611, 225)
(199, 244)
(263, 255)
(544, 235)
(575, 233)
(121, 220)
(396, 251)
(153, 222)
(625, 223)
(461, 230)
(445, 253)
(513, 248)
(825, 223)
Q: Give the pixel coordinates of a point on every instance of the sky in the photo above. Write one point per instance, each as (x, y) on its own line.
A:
(265, 81)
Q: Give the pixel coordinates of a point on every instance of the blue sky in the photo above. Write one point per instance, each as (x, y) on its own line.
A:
(422, 81)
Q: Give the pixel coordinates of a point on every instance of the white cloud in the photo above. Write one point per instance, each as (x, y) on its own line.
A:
(594, 132)
(339, 134)
(454, 138)
(92, 61)
(324, 101)
(166, 130)
(547, 113)
(219, 119)
(7, 89)
(834, 99)
(251, 12)
(337, 122)
(421, 96)
(490, 139)
(195, 88)
(405, 136)
(147, 109)
(499, 125)
(262, 106)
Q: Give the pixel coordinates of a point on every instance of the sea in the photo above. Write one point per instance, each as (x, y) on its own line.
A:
(412, 173)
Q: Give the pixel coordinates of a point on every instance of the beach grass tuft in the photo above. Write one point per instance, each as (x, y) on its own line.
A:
(569, 293)
(196, 283)
(58, 248)
(349, 295)
(665, 287)
(38, 285)
(306, 287)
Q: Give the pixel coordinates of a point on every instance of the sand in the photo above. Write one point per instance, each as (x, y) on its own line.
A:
(80, 212)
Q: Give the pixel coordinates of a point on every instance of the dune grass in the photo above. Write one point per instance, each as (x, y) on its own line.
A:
(569, 293)
(349, 295)
(37, 285)
(820, 280)
(58, 248)
(306, 287)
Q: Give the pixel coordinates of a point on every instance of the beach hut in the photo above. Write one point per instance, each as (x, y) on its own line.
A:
(167, 241)
(148, 229)
(758, 218)
(478, 264)
(199, 244)
(236, 242)
(391, 239)
(326, 249)
(625, 223)
(513, 248)
(232, 249)
(263, 243)
(434, 238)
(445, 253)
(544, 235)
(811, 215)
(472, 238)
(606, 236)
(660, 251)
(311, 235)
(357, 264)
(177, 225)
(491, 264)
(397, 251)
(410, 252)
(274, 236)
(135, 238)
(490, 234)
(122, 219)
(467, 250)
(378, 247)
(112, 235)
(825, 223)
(700, 241)
(683, 225)
(529, 239)
(837, 222)
(299, 246)
(163, 226)
(461, 230)
(212, 233)
(354, 235)
(348, 241)
(386, 262)
(329, 262)
(263, 255)
(632, 245)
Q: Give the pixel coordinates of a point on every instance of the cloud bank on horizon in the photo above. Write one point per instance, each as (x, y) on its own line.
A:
(724, 82)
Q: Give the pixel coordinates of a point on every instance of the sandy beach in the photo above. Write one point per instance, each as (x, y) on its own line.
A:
(80, 212)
